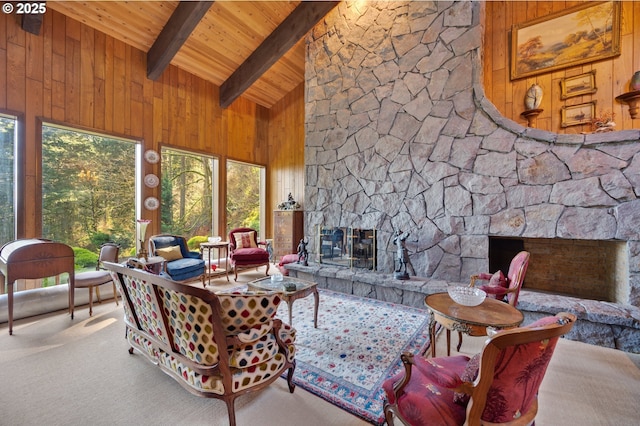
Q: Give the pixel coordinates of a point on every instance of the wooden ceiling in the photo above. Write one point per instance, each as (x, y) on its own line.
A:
(253, 49)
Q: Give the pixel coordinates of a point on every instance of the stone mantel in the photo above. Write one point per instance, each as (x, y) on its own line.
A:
(600, 323)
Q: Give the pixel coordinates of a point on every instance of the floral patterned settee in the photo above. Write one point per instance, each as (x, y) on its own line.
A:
(215, 345)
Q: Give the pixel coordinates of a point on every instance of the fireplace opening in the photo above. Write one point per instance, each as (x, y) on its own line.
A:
(587, 269)
(346, 246)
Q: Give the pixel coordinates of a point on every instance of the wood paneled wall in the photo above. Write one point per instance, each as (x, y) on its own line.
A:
(71, 74)
(612, 76)
(286, 149)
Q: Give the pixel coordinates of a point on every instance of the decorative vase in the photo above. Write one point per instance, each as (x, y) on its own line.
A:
(533, 97)
(635, 82)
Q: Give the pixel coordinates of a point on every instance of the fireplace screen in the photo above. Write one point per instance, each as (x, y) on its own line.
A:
(349, 247)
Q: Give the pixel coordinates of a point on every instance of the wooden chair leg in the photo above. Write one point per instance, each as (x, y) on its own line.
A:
(115, 293)
(98, 294)
(90, 301)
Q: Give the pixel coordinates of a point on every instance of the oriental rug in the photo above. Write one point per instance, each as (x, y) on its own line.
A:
(356, 346)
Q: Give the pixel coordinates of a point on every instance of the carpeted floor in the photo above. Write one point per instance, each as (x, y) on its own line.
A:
(58, 371)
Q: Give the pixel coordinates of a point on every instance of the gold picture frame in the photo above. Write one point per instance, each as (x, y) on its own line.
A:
(583, 84)
(578, 114)
(585, 33)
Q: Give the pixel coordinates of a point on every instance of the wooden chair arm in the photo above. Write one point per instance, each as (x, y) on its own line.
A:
(232, 341)
(277, 325)
(474, 277)
(407, 362)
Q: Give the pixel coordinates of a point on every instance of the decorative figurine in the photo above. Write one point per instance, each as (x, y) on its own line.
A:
(272, 258)
(290, 204)
(303, 254)
(402, 256)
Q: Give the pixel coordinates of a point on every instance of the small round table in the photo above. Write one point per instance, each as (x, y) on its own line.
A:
(220, 245)
(471, 320)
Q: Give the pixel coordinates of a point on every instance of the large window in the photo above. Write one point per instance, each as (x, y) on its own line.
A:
(88, 190)
(245, 196)
(189, 194)
(8, 138)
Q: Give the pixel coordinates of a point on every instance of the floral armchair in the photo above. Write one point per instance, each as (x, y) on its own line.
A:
(245, 251)
(215, 345)
(180, 263)
(499, 385)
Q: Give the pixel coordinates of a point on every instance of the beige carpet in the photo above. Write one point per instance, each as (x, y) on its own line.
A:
(58, 371)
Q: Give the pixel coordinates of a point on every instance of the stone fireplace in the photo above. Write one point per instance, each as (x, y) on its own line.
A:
(400, 136)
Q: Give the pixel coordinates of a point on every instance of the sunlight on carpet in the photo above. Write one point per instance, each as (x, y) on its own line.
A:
(356, 346)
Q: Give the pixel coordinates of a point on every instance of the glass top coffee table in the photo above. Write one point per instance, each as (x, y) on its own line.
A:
(291, 290)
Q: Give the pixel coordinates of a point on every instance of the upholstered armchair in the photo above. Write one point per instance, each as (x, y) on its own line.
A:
(500, 287)
(499, 385)
(180, 263)
(245, 251)
(505, 288)
(94, 279)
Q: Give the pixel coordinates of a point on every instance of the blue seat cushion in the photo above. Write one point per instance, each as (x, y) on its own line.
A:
(185, 268)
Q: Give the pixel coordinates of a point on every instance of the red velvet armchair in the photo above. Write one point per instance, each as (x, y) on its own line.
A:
(245, 251)
(498, 386)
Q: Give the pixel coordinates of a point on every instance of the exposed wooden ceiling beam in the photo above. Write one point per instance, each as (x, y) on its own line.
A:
(178, 28)
(283, 38)
(32, 22)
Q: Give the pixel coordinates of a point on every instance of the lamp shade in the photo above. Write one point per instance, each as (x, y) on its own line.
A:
(141, 233)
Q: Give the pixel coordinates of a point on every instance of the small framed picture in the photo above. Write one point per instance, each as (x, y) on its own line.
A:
(582, 84)
(578, 114)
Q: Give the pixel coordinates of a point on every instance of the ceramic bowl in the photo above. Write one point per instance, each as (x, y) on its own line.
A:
(467, 296)
(214, 239)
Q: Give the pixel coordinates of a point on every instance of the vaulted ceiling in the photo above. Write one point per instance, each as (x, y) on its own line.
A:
(253, 49)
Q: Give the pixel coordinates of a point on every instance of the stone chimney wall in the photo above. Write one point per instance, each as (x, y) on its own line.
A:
(400, 136)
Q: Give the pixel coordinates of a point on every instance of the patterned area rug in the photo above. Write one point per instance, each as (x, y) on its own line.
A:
(356, 346)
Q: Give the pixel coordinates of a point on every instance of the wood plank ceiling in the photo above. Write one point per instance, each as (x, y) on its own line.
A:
(218, 46)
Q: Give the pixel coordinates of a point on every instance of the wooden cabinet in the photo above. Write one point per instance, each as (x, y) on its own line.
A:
(288, 230)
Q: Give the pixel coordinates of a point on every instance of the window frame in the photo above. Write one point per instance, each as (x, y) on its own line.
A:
(262, 196)
(19, 174)
(138, 142)
(215, 184)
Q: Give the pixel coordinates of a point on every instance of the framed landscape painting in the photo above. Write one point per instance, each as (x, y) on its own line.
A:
(583, 84)
(585, 33)
(578, 114)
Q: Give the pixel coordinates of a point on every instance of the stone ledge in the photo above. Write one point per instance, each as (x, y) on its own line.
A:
(600, 323)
